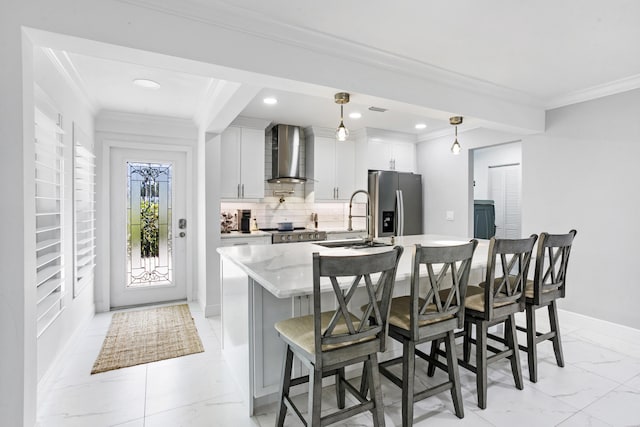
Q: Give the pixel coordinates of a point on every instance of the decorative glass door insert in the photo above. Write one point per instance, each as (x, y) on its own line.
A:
(149, 233)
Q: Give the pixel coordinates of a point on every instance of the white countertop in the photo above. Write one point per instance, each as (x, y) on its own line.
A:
(237, 234)
(285, 270)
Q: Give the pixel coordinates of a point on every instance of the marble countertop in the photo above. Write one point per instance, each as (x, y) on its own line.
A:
(286, 270)
(237, 234)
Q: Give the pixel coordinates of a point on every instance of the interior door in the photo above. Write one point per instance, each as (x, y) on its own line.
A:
(505, 190)
(148, 226)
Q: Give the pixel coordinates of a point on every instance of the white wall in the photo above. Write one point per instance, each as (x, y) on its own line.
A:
(582, 174)
(492, 156)
(579, 174)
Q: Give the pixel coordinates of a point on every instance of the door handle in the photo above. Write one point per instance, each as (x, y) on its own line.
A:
(243, 191)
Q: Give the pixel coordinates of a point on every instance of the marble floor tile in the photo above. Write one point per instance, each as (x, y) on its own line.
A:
(108, 398)
(582, 419)
(620, 407)
(572, 385)
(600, 386)
(601, 361)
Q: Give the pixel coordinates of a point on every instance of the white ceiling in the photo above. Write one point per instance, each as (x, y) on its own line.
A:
(548, 51)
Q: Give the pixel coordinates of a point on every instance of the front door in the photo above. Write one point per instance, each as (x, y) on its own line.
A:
(148, 226)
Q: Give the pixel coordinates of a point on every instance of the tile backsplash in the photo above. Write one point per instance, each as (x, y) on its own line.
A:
(269, 212)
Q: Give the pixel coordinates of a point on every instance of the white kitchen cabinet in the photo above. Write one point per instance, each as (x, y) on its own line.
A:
(392, 155)
(242, 163)
(333, 168)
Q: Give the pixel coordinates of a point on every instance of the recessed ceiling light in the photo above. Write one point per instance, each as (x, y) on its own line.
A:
(270, 100)
(421, 126)
(355, 115)
(146, 83)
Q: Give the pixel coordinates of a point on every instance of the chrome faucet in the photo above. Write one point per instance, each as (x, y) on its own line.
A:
(368, 216)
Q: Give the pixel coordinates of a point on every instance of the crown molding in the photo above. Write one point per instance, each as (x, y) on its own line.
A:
(145, 124)
(386, 135)
(69, 73)
(243, 20)
(617, 86)
(250, 122)
(445, 133)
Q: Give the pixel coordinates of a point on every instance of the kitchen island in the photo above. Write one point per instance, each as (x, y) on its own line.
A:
(263, 284)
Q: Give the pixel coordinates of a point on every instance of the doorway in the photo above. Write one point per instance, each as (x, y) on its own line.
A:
(497, 178)
(148, 238)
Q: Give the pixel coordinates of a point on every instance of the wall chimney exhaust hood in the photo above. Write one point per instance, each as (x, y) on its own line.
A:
(287, 148)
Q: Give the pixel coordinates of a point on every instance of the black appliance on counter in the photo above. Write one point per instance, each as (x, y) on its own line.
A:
(244, 220)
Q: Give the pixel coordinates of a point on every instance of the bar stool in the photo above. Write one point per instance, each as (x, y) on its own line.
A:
(493, 302)
(549, 284)
(326, 342)
(429, 314)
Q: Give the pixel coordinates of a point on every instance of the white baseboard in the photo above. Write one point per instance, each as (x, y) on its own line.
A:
(46, 383)
(211, 310)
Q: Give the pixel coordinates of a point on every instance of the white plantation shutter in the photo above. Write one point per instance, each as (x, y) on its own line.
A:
(49, 169)
(84, 211)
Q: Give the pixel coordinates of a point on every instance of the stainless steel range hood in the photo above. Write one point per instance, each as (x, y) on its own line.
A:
(287, 150)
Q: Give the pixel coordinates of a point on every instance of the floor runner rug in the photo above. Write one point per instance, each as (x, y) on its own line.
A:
(144, 336)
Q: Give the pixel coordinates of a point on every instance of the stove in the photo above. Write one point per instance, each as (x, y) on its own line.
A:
(298, 234)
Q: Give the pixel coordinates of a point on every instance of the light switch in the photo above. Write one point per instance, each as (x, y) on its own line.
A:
(449, 215)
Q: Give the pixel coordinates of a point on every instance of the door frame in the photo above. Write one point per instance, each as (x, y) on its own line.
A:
(102, 290)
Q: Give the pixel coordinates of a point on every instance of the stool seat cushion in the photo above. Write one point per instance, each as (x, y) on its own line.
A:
(299, 331)
(399, 315)
(529, 289)
(475, 299)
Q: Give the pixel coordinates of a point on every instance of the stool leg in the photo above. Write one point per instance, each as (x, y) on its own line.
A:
(512, 343)
(286, 384)
(340, 388)
(408, 376)
(466, 344)
(532, 351)
(431, 367)
(481, 363)
(376, 392)
(555, 327)
(454, 375)
(315, 397)
(364, 380)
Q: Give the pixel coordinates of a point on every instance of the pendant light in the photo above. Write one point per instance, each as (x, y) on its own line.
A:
(342, 133)
(455, 121)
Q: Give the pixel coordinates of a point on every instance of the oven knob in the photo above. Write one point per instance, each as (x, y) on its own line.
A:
(316, 236)
(301, 237)
(288, 237)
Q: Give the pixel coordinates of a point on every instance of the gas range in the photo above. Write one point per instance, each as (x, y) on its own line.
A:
(298, 234)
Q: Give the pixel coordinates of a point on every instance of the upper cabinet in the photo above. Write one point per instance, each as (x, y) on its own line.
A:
(331, 164)
(242, 163)
(389, 151)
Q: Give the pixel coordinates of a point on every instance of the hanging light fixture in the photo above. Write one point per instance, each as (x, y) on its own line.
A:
(342, 133)
(455, 121)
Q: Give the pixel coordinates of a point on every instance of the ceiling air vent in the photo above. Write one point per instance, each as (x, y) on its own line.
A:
(377, 109)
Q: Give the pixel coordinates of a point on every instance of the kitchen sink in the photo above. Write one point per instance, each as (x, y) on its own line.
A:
(352, 244)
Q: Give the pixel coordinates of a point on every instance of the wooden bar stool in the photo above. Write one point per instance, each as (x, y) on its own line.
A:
(429, 314)
(495, 301)
(549, 284)
(326, 342)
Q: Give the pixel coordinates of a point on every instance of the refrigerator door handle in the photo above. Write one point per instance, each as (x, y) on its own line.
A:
(400, 213)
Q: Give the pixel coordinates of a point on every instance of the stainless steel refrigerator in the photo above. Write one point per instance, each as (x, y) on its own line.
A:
(396, 199)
